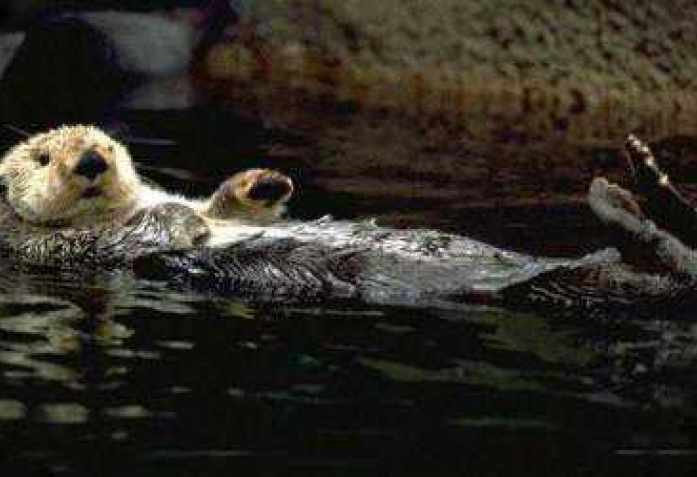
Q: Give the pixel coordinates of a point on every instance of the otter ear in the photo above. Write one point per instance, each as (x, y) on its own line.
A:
(17, 130)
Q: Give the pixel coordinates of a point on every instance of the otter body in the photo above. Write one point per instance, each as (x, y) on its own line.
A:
(290, 260)
(328, 259)
(73, 201)
(105, 245)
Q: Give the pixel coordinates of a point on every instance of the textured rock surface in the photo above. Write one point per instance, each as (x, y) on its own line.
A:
(591, 69)
(502, 101)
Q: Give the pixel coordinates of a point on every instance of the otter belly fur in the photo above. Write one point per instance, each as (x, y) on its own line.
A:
(101, 216)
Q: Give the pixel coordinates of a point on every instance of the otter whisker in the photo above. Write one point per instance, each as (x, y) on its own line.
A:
(121, 132)
(17, 130)
(181, 174)
(148, 141)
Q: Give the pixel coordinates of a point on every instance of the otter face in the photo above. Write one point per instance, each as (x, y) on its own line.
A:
(69, 176)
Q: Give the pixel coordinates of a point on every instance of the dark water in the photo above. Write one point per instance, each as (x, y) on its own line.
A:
(106, 375)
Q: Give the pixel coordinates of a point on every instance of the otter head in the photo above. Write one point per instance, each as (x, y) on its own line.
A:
(69, 176)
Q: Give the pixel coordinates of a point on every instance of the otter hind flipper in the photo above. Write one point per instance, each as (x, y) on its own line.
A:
(665, 205)
(658, 249)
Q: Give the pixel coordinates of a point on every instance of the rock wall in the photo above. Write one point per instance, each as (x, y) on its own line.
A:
(590, 70)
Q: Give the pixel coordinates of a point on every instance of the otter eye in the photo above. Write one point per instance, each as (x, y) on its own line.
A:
(43, 158)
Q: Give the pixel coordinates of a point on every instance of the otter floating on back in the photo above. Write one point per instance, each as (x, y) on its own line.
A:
(73, 200)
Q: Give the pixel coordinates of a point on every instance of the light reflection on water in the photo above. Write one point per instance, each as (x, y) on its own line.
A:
(111, 369)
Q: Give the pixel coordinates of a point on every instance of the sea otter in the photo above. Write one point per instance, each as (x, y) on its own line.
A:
(74, 200)
(72, 192)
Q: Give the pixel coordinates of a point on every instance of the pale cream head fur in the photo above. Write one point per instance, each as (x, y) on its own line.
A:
(43, 187)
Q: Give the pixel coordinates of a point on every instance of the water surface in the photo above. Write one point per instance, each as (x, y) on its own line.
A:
(108, 375)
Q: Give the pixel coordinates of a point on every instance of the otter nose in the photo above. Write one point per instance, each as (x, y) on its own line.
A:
(91, 164)
(269, 189)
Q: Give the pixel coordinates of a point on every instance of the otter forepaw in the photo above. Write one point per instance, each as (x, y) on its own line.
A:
(258, 195)
(175, 225)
